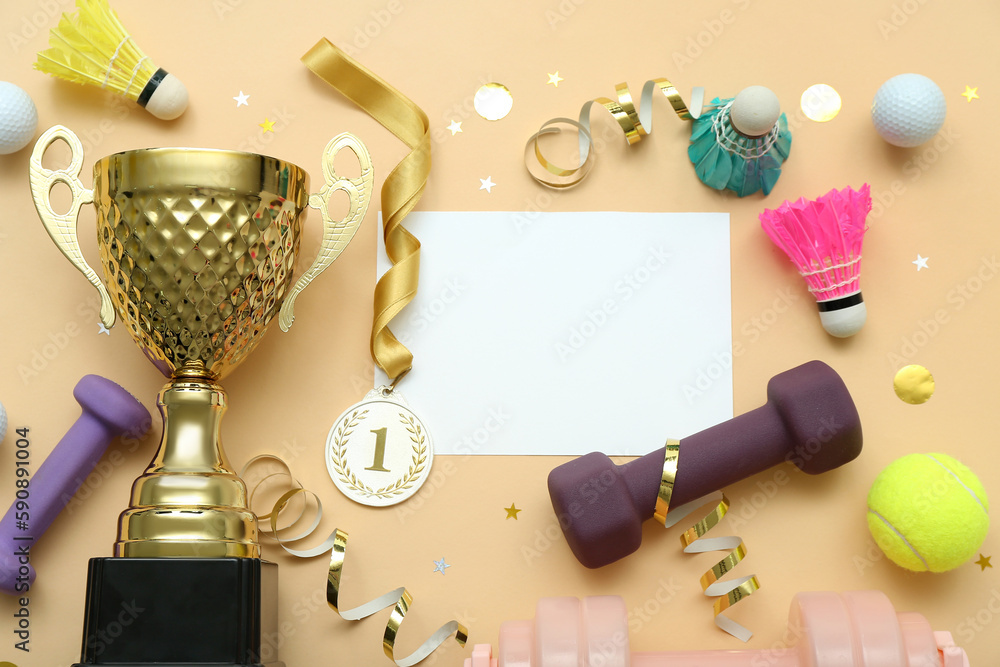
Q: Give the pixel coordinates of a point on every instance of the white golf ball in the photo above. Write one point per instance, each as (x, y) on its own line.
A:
(908, 110)
(18, 118)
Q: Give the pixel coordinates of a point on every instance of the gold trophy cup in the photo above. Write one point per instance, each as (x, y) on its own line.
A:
(198, 250)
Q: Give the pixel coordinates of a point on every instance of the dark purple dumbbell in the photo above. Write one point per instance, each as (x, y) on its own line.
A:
(809, 419)
(108, 412)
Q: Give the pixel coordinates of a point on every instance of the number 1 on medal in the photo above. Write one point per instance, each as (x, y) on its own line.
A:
(379, 450)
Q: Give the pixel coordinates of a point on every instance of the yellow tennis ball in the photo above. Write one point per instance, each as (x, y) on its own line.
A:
(928, 512)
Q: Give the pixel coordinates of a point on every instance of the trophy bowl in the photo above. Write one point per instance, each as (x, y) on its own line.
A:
(198, 250)
(196, 272)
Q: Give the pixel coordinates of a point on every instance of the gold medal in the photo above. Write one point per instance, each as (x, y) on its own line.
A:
(380, 443)
(379, 452)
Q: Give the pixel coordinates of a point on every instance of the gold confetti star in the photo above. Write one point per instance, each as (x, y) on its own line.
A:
(554, 79)
(512, 512)
(267, 126)
(970, 94)
(455, 127)
(984, 562)
(921, 262)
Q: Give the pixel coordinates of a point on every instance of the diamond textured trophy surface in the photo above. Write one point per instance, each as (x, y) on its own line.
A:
(198, 250)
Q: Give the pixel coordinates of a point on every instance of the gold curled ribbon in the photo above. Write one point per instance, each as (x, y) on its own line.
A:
(673, 449)
(336, 543)
(399, 599)
(635, 122)
(401, 191)
(285, 472)
(727, 593)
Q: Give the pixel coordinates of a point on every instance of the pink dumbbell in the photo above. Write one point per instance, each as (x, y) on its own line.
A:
(853, 629)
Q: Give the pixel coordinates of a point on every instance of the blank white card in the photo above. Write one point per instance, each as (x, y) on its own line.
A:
(566, 333)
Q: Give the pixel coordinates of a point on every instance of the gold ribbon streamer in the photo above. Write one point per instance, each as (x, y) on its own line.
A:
(399, 599)
(400, 192)
(727, 593)
(635, 122)
(670, 456)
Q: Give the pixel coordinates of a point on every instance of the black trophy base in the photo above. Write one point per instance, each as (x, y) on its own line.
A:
(181, 612)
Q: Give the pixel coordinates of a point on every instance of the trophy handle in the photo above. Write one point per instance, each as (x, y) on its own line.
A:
(62, 226)
(336, 233)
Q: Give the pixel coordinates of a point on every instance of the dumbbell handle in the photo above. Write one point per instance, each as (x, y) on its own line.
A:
(108, 412)
(817, 430)
(717, 457)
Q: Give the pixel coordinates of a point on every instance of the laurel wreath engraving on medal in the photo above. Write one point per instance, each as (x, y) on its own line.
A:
(338, 455)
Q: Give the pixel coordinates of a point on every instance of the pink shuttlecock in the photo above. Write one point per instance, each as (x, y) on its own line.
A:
(823, 239)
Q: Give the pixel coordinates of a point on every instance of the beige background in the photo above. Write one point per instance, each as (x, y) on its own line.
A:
(810, 535)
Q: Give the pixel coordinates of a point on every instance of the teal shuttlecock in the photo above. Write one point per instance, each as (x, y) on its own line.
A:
(740, 143)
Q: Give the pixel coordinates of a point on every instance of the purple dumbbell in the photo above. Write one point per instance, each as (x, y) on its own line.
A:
(108, 412)
(809, 419)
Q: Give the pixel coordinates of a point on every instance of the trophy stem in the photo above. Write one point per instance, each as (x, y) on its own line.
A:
(189, 502)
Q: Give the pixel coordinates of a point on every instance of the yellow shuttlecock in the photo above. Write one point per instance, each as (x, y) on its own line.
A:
(92, 47)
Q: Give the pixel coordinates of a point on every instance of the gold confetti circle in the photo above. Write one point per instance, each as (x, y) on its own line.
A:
(493, 101)
(820, 103)
(914, 384)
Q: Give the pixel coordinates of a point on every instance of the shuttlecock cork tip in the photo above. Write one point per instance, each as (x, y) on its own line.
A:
(165, 96)
(755, 110)
(843, 317)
